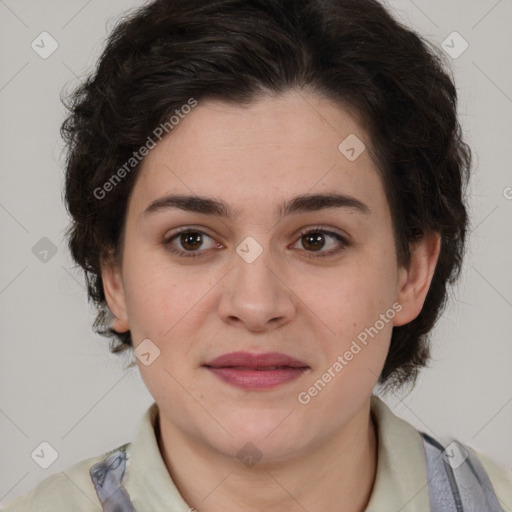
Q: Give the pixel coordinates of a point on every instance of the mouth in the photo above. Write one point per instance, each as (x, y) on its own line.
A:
(256, 371)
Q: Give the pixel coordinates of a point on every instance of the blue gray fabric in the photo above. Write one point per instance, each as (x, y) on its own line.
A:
(107, 477)
(457, 480)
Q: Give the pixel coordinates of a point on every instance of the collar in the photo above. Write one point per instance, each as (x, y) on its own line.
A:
(400, 483)
(401, 478)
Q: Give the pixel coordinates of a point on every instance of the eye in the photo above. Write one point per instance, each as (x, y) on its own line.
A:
(190, 241)
(316, 239)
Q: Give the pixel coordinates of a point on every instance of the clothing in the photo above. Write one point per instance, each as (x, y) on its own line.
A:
(457, 480)
(400, 485)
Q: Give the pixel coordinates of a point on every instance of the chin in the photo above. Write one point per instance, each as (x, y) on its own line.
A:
(260, 452)
(269, 436)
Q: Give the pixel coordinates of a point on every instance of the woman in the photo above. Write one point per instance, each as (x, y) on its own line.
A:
(267, 199)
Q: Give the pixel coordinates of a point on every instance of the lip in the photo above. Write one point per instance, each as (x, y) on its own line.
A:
(256, 371)
(251, 360)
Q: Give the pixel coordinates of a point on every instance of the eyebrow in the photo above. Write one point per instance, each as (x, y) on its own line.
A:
(299, 204)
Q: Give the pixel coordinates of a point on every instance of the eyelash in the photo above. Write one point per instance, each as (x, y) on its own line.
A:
(313, 254)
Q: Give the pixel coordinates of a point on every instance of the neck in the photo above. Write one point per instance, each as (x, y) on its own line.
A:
(337, 474)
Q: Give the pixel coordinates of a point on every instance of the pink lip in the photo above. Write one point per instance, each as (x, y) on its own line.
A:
(246, 370)
(249, 360)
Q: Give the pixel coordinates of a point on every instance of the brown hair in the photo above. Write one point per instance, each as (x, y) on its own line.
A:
(351, 51)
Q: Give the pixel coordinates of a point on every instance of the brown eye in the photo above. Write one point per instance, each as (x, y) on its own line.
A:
(189, 242)
(315, 240)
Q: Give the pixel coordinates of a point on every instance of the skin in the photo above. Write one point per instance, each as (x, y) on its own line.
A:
(319, 456)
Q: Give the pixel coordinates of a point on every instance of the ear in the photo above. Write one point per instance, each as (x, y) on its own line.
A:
(414, 281)
(114, 293)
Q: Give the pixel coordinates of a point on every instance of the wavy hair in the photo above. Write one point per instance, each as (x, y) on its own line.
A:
(351, 51)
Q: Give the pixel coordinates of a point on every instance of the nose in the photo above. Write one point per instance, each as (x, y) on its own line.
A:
(255, 295)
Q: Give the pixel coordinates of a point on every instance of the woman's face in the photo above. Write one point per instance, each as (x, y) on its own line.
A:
(254, 282)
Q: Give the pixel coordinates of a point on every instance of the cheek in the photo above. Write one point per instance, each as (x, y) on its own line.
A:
(353, 295)
(151, 294)
(353, 307)
(163, 299)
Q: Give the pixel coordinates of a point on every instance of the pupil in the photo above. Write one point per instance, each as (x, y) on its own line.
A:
(315, 238)
(187, 240)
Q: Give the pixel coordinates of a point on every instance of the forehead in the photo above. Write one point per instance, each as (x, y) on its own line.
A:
(272, 149)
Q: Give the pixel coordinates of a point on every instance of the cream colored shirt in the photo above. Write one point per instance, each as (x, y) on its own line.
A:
(400, 484)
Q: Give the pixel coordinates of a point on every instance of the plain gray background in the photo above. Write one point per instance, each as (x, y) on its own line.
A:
(59, 383)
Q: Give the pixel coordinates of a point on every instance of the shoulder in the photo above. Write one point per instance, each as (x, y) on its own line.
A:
(405, 456)
(70, 489)
(500, 477)
(472, 476)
